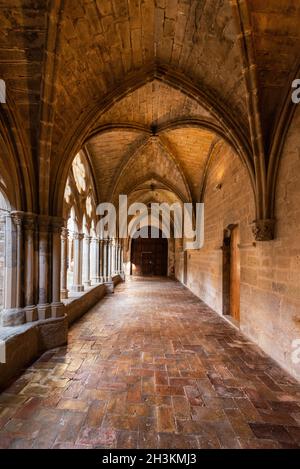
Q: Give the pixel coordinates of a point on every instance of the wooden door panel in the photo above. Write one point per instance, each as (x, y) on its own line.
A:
(235, 275)
(149, 256)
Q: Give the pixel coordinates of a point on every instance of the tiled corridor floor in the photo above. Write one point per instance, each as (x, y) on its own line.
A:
(152, 367)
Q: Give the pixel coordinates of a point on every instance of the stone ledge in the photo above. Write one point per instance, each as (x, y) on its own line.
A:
(25, 343)
(80, 303)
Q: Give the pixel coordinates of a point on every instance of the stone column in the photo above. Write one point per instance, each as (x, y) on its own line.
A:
(95, 260)
(64, 263)
(101, 264)
(109, 252)
(86, 261)
(44, 308)
(109, 260)
(18, 220)
(105, 272)
(31, 311)
(113, 257)
(122, 272)
(77, 280)
(12, 314)
(57, 307)
(119, 259)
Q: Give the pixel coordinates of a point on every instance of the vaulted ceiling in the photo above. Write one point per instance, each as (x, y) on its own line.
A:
(147, 87)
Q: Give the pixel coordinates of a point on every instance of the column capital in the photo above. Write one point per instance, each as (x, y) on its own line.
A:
(56, 224)
(44, 222)
(30, 221)
(64, 233)
(17, 217)
(78, 236)
(263, 230)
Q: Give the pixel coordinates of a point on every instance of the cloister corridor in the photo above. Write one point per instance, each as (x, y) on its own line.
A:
(151, 366)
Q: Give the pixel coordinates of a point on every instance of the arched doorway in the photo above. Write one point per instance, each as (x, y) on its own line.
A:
(231, 273)
(149, 256)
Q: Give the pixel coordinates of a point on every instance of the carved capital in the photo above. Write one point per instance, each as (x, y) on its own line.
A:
(44, 223)
(263, 230)
(57, 224)
(64, 233)
(29, 222)
(17, 218)
(78, 236)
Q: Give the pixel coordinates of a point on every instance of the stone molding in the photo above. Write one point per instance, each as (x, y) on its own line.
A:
(263, 230)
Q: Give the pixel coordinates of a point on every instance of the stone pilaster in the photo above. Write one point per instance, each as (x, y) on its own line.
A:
(64, 263)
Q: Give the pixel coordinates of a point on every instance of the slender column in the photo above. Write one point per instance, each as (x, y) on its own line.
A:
(77, 281)
(44, 308)
(31, 311)
(95, 261)
(119, 259)
(12, 315)
(113, 257)
(101, 253)
(105, 272)
(122, 272)
(57, 307)
(109, 258)
(18, 220)
(64, 263)
(86, 261)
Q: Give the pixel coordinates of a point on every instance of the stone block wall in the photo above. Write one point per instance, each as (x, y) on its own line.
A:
(2, 260)
(271, 278)
(270, 271)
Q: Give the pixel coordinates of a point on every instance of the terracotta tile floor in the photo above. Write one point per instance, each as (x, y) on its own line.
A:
(152, 367)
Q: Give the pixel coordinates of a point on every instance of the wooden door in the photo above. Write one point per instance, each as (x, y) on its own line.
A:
(147, 263)
(149, 256)
(235, 275)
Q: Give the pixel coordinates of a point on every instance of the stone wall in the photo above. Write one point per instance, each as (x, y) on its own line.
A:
(271, 283)
(2, 253)
(270, 271)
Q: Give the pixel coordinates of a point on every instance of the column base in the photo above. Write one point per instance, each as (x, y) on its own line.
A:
(110, 286)
(31, 313)
(64, 294)
(96, 280)
(57, 310)
(44, 311)
(87, 284)
(77, 288)
(122, 275)
(13, 317)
